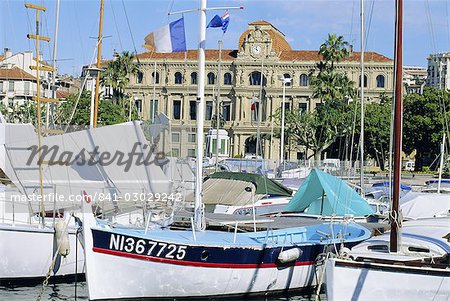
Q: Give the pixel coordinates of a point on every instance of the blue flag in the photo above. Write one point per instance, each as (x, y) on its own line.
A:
(220, 21)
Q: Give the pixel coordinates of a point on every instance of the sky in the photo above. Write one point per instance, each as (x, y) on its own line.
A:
(305, 23)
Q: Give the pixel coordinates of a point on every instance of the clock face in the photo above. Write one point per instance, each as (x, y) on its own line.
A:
(256, 50)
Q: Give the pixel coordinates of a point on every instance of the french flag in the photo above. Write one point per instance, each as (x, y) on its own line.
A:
(253, 104)
(220, 21)
(169, 38)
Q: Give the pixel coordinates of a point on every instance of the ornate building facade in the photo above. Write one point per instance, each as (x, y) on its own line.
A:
(172, 88)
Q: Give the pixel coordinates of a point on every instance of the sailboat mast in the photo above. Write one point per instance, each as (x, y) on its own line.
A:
(361, 141)
(398, 121)
(99, 57)
(200, 115)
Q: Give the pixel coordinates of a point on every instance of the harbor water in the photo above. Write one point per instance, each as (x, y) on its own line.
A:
(66, 292)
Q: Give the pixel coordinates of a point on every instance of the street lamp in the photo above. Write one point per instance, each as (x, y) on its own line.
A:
(284, 81)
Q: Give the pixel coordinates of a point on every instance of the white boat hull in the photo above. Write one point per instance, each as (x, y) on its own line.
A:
(119, 277)
(26, 252)
(348, 280)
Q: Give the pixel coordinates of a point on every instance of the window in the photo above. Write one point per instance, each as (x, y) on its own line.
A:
(192, 137)
(226, 111)
(304, 80)
(287, 75)
(1, 87)
(193, 110)
(138, 103)
(211, 78)
(155, 78)
(177, 109)
(175, 152)
(11, 86)
(255, 78)
(153, 106)
(303, 106)
(287, 106)
(178, 78)
(380, 81)
(191, 152)
(365, 81)
(209, 110)
(175, 137)
(227, 79)
(26, 88)
(139, 77)
(193, 78)
(255, 109)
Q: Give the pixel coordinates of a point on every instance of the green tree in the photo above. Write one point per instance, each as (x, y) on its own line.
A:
(423, 124)
(318, 129)
(334, 50)
(117, 75)
(25, 113)
(108, 112)
(377, 127)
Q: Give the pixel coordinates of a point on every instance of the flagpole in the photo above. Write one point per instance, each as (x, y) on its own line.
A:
(198, 210)
(200, 116)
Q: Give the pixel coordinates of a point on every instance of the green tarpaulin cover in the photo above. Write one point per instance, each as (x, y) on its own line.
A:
(263, 184)
(324, 194)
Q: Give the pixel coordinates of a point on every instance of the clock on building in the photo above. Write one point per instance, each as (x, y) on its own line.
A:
(256, 50)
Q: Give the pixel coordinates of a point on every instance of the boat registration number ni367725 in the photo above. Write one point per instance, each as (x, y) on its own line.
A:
(128, 244)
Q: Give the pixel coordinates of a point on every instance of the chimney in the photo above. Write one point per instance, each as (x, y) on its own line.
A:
(7, 52)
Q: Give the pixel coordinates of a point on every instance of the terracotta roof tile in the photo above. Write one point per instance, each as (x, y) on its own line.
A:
(210, 54)
(62, 94)
(15, 73)
(290, 55)
(260, 22)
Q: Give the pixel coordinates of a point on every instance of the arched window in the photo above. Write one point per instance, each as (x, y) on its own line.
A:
(304, 80)
(255, 78)
(365, 81)
(287, 75)
(193, 78)
(178, 78)
(211, 78)
(155, 78)
(227, 79)
(380, 81)
(139, 77)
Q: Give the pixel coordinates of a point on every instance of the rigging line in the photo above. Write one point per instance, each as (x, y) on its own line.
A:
(131, 33)
(369, 23)
(169, 10)
(115, 24)
(352, 22)
(448, 24)
(430, 25)
(78, 30)
(29, 25)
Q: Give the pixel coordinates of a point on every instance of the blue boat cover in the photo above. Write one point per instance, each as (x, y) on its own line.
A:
(324, 194)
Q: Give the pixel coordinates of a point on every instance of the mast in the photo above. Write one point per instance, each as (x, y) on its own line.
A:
(99, 57)
(38, 99)
(259, 111)
(55, 51)
(218, 104)
(361, 141)
(398, 116)
(200, 116)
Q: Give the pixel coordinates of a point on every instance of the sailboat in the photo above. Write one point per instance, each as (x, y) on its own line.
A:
(411, 262)
(176, 263)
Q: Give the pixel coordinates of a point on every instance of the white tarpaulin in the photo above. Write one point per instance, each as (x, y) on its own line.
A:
(417, 205)
(108, 162)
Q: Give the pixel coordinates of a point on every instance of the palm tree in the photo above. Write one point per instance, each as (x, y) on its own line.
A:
(334, 49)
(117, 74)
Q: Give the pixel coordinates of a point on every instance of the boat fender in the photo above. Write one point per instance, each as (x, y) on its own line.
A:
(62, 238)
(344, 253)
(290, 255)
